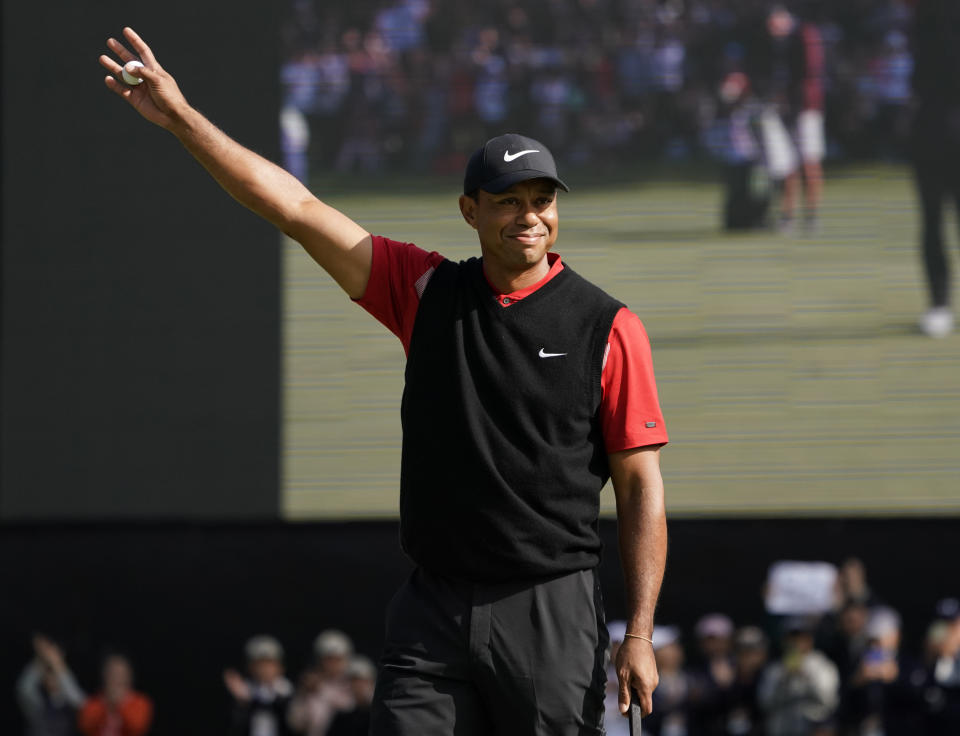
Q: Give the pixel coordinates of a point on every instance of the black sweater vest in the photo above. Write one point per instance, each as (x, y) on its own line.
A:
(503, 456)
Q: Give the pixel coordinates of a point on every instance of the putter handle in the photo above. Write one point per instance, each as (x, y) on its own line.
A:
(634, 713)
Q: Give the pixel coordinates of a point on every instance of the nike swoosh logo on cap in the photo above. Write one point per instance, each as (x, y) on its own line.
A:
(508, 157)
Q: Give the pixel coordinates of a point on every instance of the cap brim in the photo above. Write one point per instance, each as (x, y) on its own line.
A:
(505, 181)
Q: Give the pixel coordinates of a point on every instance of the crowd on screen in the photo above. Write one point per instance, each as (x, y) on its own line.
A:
(414, 84)
(841, 673)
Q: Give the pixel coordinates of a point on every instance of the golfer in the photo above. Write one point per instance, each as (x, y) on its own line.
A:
(526, 389)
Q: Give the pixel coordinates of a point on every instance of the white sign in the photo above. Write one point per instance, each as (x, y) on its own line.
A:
(800, 588)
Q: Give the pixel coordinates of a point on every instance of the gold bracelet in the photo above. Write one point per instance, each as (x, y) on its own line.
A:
(637, 636)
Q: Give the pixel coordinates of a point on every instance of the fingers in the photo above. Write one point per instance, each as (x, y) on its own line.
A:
(110, 65)
(140, 47)
(624, 692)
(115, 83)
(646, 702)
(632, 687)
(119, 87)
(120, 50)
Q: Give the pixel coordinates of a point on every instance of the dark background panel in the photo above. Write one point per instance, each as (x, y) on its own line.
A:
(140, 324)
(182, 599)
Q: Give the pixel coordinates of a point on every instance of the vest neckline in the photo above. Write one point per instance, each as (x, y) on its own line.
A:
(492, 300)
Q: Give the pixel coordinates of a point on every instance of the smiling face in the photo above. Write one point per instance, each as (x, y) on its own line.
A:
(516, 227)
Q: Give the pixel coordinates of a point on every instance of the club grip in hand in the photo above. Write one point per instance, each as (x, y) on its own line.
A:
(634, 713)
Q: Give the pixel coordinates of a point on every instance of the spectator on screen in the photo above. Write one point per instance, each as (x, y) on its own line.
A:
(800, 692)
(714, 677)
(118, 710)
(48, 693)
(787, 67)
(362, 677)
(323, 690)
(261, 700)
(743, 716)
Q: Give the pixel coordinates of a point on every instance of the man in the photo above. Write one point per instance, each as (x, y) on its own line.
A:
(324, 688)
(750, 658)
(943, 651)
(260, 702)
(787, 69)
(936, 147)
(355, 721)
(715, 675)
(888, 692)
(801, 691)
(526, 387)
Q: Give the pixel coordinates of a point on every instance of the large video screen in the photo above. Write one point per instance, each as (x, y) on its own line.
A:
(163, 358)
(791, 370)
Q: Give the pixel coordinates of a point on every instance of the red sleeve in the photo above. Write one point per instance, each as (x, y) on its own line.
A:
(398, 275)
(630, 411)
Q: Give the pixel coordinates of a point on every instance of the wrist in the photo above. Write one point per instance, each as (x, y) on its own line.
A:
(641, 637)
(184, 121)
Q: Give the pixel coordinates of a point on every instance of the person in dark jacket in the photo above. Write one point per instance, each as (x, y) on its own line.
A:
(885, 694)
(936, 145)
(261, 700)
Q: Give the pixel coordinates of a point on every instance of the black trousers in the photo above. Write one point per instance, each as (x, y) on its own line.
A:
(469, 659)
(936, 160)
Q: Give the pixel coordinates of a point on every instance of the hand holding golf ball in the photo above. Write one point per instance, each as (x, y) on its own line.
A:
(128, 73)
(160, 100)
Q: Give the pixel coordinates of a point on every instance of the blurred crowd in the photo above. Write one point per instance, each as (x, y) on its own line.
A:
(842, 672)
(53, 703)
(331, 698)
(416, 84)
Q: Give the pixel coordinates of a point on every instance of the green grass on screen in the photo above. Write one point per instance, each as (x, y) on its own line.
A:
(791, 374)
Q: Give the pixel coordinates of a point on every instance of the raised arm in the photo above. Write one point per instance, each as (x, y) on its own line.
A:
(642, 531)
(332, 239)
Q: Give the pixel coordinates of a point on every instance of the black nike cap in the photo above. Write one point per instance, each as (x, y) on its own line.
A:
(503, 161)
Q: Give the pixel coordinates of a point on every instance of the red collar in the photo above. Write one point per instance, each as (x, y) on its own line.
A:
(505, 300)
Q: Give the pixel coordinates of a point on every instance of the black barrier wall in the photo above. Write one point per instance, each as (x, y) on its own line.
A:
(140, 324)
(182, 599)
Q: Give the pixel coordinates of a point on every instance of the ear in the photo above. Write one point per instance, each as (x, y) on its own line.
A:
(468, 208)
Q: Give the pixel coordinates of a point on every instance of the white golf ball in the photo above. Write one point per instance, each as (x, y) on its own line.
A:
(128, 77)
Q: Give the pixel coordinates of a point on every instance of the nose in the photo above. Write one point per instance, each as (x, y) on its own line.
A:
(528, 215)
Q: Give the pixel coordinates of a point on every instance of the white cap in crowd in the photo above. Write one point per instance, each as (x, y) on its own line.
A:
(361, 668)
(883, 621)
(332, 643)
(664, 636)
(263, 647)
(714, 624)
